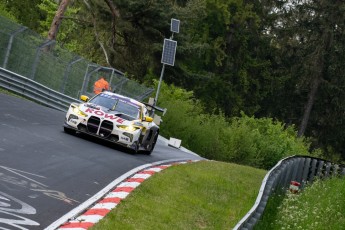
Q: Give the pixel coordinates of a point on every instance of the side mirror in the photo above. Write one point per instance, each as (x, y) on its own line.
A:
(148, 119)
(84, 98)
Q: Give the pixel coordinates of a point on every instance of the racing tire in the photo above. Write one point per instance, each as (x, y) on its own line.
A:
(152, 145)
(69, 130)
(135, 149)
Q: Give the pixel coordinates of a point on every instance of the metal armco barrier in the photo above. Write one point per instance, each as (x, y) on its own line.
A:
(302, 169)
(33, 90)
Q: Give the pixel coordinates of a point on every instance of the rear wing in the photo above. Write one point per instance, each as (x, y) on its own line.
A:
(156, 108)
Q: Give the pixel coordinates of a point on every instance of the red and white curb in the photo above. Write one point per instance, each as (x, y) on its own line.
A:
(108, 202)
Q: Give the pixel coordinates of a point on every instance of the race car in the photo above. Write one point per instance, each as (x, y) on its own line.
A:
(115, 118)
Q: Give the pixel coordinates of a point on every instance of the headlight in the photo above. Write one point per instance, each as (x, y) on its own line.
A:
(129, 128)
(79, 112)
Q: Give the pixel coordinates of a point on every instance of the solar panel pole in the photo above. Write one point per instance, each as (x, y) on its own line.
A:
(168, 54)
(159, 84)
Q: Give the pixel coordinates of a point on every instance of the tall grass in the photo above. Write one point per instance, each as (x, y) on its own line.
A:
(320, 206)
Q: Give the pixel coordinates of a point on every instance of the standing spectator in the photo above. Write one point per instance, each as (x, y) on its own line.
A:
(100, 85)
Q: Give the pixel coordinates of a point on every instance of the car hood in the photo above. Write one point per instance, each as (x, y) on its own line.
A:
(104, 114)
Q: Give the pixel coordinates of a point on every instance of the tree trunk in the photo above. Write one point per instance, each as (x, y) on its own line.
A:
(114, 15)
(54, 28)
(310, 102)
(317, 71)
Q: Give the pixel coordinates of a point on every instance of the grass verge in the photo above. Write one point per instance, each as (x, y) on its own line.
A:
(202, 195)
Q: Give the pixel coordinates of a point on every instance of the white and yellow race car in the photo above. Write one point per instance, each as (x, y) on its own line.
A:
(115, 118)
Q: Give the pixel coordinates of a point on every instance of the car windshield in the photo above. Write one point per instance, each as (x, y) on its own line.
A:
(106, 102)
(117, 104)
(128, 109)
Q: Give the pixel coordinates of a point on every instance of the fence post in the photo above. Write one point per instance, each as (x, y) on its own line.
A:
(145, 95)
(66, 74)
(120, 84)
(9, 46)
(87, 77)
(38, 52)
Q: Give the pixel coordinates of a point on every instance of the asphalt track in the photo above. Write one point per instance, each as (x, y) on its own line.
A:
(45, 173)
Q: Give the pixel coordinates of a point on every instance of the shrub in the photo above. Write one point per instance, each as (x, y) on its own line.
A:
(244, 140)
(262, 142)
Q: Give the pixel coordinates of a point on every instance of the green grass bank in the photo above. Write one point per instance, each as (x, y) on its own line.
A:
(201, 195)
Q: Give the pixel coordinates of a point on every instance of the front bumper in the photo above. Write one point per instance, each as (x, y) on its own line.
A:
(101, 128)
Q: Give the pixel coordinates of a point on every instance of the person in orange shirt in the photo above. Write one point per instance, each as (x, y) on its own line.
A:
(100, 85)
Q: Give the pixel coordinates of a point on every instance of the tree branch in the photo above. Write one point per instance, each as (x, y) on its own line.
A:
(96, 32)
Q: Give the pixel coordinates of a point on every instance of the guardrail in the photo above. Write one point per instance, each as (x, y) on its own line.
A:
(303, 169)
(33, 90)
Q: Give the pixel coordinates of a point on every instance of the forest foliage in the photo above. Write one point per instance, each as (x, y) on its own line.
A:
(278, 61)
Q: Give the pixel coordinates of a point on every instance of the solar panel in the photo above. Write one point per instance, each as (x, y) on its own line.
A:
(169, 51)
(175, 25)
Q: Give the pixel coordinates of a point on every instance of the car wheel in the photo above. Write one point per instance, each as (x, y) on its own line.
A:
(68, 130)
(135, 148)
(152, 145)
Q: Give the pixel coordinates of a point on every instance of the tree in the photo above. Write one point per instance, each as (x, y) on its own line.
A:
(223, 55)
(309, 36)
(57, 20)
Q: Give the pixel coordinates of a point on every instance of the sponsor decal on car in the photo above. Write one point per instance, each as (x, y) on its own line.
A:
(109, 116)
(73, 121)
(125, 138)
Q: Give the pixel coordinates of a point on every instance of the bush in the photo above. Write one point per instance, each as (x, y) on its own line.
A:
(262, 142)
(244, 140)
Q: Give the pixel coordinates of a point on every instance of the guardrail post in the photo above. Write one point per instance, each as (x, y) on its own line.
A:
(319, 169)
(295, 169)
(335, 170)
(288, 173)
(306, 171)
(328, 169)
(284, 175)
(343, 172)
(313, 170)
(300, 168)
(9, 46)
